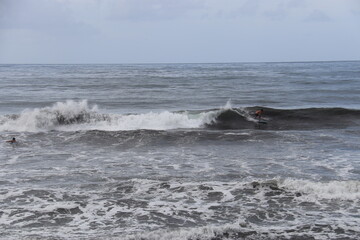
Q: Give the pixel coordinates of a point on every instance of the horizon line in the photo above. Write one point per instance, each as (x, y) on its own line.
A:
(163, 63)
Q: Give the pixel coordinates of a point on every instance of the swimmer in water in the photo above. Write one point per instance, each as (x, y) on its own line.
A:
(12, 141)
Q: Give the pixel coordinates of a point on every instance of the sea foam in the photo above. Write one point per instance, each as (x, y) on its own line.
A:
(343, 190)
(80, 116)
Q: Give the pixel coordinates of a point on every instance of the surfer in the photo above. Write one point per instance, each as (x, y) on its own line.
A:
(12, 141)
(258, 113)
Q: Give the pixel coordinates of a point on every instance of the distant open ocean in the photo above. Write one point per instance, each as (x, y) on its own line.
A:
(173, 151)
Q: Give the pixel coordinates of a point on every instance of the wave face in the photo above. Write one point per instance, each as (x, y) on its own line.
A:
(78, 116)
(282, 119)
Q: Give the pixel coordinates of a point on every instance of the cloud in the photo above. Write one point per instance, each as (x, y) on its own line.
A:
(172, 30)
(317, 16)
(249, 8)
(296, 4)
(279, 13)
(48, 16)
(135, 10)
(158, 9)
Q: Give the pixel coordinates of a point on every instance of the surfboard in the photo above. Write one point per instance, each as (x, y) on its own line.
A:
(262, 122)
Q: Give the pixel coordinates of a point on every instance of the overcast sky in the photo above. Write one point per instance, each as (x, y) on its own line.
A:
(167, 31)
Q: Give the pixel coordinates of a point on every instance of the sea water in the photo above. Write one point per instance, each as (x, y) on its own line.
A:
(174, 151)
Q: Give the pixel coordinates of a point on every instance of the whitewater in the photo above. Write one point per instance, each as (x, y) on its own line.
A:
(174, 151)
(76, 116)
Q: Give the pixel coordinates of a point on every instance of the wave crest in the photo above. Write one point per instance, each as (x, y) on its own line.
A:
(50, 118)
(79, 115)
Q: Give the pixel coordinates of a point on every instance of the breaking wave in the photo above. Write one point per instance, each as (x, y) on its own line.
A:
(152, 203)
(79, 115)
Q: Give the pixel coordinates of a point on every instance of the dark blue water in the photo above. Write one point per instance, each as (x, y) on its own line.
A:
(173, 151)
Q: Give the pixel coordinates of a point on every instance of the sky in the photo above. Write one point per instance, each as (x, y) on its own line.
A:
(178, 31)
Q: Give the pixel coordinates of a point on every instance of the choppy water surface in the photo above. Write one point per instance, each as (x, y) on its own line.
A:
(174, 151)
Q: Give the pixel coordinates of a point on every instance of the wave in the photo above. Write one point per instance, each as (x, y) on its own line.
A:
(80, 116)
(49, 118)
(312, 191)
(287, 119)
(285, 208)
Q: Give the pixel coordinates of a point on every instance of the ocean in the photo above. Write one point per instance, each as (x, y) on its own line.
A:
(174, 151)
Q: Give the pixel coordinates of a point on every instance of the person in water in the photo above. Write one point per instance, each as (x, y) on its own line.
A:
(12, 141)
(258, 113)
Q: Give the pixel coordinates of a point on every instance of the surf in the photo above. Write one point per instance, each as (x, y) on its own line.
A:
(81, 116)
